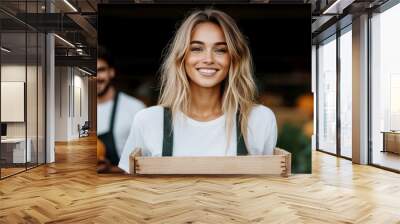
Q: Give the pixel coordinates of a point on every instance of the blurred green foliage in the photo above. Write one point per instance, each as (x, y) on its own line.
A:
(292, 139)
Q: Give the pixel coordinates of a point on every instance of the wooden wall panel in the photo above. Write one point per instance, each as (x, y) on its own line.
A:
(92, 84)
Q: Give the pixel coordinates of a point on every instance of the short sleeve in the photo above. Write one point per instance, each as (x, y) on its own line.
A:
(262, 134)
(271, 134)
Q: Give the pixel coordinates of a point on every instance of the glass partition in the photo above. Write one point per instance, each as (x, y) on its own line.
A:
(23, 89)
(14, 153)
(31, 99)
(385, 88)
(346, 92)
(327, 95)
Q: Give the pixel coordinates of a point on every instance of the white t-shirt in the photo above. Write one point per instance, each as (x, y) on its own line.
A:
(198, 138)
(125, 112)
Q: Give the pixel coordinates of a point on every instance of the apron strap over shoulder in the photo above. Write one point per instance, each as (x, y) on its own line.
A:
(108, 137)
(168, 138)
(241, 149)
(114, 111)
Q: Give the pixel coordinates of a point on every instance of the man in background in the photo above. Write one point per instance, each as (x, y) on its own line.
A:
(115, 113)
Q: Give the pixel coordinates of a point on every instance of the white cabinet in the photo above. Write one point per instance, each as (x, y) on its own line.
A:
(18, 149)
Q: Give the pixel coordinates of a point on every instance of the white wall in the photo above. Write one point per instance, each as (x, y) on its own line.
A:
(12, 101)
(61, 103)
(80, 102)
(71, 102)
(16, 73)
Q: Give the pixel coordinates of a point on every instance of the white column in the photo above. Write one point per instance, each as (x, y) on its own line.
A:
(360, 90)
(50, 94)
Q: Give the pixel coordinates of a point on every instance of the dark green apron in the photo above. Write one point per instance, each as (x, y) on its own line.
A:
(108, 138)
(168, 139)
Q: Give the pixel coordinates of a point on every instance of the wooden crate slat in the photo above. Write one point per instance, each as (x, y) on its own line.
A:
(278, 164)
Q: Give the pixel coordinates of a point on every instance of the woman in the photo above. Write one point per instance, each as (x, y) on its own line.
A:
(207, 103)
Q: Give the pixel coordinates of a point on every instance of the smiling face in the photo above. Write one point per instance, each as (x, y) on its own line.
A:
(207, 61)
(104, 76)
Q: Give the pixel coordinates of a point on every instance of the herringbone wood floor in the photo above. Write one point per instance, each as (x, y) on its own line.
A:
(70, 191)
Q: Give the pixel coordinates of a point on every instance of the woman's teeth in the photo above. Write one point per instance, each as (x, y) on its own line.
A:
(207, 71)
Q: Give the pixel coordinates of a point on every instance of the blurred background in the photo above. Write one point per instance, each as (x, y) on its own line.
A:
(51, 45)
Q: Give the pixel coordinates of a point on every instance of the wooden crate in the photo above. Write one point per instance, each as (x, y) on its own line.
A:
(279, 164)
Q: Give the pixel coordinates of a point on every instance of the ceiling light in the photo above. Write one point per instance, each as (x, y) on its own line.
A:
(64, 40)
(5, 49)
(84, 71)
(338, 6)
(70, 5)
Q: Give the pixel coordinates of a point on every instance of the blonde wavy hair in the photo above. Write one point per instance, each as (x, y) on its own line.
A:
(239, 89)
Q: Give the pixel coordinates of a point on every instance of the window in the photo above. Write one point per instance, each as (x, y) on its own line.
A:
(346, 92)
(327, 95)
(385, 88)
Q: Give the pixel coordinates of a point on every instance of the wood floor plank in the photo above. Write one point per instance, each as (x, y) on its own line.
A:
(70, 191)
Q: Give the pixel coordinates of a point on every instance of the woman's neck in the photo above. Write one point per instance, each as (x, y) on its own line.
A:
(205, 103)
